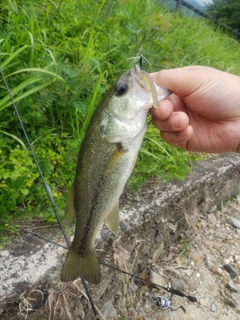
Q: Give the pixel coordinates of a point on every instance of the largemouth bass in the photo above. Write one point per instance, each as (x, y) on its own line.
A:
(105, 161)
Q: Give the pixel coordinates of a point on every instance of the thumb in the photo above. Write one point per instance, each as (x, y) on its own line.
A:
(181, 81)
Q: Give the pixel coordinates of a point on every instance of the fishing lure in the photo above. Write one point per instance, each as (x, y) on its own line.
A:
(139, 58)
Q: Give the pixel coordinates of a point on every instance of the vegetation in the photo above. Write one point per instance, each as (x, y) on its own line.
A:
(226, 11)
(59, 57)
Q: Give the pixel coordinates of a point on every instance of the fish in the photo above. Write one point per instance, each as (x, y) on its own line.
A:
(106, 159)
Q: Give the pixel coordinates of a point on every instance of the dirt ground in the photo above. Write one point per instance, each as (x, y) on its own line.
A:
(194, 264)
(178, 235)
(198, 264)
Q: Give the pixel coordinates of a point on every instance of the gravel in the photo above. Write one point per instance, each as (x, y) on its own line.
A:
(180, 234)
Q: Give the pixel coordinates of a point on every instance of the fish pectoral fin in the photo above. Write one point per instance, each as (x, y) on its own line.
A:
(115, 157)
(86, 266)
(70, 212)
(112, 220)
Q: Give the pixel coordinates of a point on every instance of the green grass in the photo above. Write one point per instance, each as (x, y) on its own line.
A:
(59, 58)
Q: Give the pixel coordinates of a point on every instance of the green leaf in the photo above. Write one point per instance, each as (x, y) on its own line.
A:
(5, 101)
(13, 56)
(15, 138)
(25, 191)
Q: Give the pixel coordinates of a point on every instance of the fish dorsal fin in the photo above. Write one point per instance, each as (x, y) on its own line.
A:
(70, 212)
(112, 220)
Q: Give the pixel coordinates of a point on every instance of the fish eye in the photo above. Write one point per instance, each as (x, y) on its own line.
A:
(121, 89)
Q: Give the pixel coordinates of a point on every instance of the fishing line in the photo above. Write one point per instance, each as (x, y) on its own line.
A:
(46, 186)
(50, 196)
(168, 289)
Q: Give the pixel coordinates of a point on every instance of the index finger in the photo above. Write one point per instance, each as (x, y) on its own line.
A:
(181, 81)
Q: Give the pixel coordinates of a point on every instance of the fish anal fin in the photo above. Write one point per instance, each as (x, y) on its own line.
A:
(86, 266)
(70, 212)
(112, 220)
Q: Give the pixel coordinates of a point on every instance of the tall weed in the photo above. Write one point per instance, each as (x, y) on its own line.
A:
(59, 58)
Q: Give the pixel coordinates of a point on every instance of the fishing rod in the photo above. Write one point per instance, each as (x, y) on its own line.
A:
(168, 289)
(172, 291)
(46, 186)
(49, 193)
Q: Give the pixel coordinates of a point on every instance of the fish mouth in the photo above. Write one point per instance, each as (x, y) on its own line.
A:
(146, 82)
(136, 69)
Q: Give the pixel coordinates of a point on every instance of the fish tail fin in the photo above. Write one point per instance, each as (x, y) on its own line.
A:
(86, 266)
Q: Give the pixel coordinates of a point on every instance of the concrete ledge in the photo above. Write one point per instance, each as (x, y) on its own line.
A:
(156, 215)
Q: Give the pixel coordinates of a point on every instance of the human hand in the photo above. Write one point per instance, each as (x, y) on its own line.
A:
(203, 113)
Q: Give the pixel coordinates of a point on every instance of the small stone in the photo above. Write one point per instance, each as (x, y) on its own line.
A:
(232, 286)
(231, 270)
(231, 302)
(134, 287)
(4, 253)
(104, 232)
(188, 272)
(212, 218)
(227, 246)
(238, 198)
(203, 302)
(157, 278)
(223, 273)
(177, 284)
(228, 261)
(234, 222)
(213, 208)
(236, 297)
(124, 227)
(108, 310)
(157, 252)
(237, 258)
(176, 273)
(118, 295)
(172, 227)
(213, 307)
